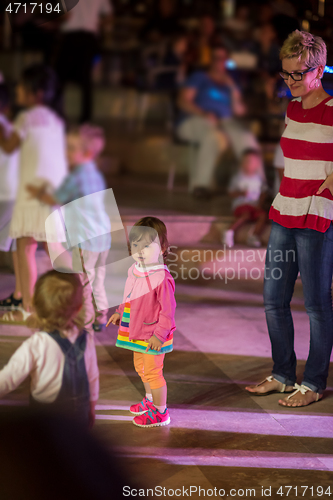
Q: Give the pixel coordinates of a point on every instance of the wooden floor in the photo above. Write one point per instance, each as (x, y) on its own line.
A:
(220, 436)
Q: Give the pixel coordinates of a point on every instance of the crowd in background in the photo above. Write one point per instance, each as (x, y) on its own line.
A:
(155, 44)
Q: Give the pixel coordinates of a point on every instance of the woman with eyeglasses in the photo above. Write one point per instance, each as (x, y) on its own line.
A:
(301, 239)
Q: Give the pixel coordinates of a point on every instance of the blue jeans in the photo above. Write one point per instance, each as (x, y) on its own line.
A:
(309, 252)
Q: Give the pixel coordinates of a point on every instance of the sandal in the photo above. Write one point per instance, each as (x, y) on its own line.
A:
(273, 391)
(10, 317)
(10, 303)
(303, 389)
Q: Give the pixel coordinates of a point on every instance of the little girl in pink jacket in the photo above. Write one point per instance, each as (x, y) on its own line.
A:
(146, 318)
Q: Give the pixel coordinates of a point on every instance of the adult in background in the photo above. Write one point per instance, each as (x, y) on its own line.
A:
(208, 101)
(302, 231)
(163, 23)
(79, 46)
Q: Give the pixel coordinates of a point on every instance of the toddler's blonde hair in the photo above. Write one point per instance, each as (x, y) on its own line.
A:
(310, 49)
(56, 302)
(92, 138)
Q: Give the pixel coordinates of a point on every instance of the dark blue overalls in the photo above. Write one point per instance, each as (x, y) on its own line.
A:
(74, 394)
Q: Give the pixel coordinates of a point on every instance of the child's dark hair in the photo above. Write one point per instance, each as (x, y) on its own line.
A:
(4, 97)
(151, 227)
(41, 79)
(56, 301)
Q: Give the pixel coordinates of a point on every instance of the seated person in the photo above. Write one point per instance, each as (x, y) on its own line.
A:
(248, 190)
(208, 101)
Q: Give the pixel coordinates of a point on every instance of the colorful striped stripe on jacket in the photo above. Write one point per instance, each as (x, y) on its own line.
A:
(137, 345)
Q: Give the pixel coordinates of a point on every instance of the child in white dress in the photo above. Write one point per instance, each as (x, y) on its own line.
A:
(39, 134)
(8, 189)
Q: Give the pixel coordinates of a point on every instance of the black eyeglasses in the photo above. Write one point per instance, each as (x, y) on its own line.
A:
(297, 76)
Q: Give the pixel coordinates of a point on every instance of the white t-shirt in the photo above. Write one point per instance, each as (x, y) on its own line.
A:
(41, 357)
(252, 184)
(8, 167)
(42, 152)
(85, 15)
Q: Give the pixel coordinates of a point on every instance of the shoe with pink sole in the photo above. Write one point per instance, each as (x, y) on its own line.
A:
(141, 408)
(152, 418)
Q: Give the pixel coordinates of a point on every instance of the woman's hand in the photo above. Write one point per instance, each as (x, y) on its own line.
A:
(327, 184)
(115, 319)
(154, 344)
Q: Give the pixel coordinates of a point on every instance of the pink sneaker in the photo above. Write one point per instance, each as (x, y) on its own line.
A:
(141, 408)
(152, 418)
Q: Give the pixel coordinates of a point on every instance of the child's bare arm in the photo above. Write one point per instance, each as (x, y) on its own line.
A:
(18, 367)
(39, 193)
(11, 143)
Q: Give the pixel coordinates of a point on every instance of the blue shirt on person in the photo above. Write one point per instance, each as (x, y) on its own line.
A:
(210, 96)
(87, 223)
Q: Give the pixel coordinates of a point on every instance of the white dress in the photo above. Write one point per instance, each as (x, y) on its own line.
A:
(42, 160)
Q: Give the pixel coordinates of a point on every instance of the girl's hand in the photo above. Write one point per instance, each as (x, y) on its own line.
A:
(154, 344)
(327, 184)
(36, 192)
(115, 319)
(33, 190)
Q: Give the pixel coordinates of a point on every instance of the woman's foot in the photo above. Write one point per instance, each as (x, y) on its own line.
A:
(10, 303)
(302, 396)
(269, 386)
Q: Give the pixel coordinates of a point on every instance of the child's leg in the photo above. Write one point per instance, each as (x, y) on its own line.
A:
(100, 298)
(85, 259)
(240, 221)
(160, 397)
(260, 224)
(17, 292)
(149, 394)
(27, 268)
(139, 368)
(58, 253)
(150, 370)
(153, 372)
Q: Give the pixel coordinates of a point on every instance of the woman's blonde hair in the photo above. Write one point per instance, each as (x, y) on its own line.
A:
(57, 301)
(308, 48)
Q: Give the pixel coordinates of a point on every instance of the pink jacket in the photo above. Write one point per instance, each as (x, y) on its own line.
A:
(152, 302)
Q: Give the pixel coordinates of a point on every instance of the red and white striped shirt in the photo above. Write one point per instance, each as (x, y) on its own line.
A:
(307, 144)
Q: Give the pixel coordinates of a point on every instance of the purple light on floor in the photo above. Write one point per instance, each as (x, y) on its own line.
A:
(242, 422)
(232, 458)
